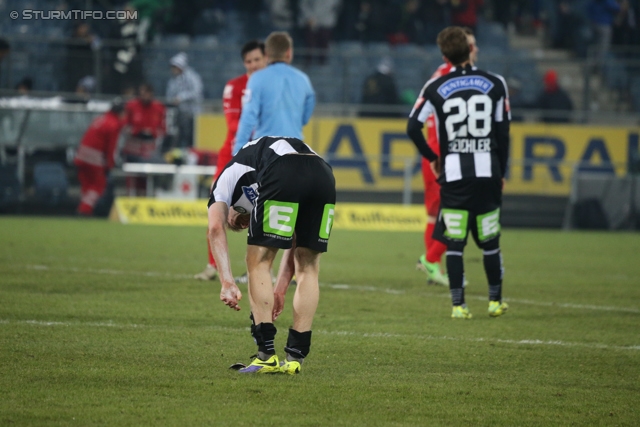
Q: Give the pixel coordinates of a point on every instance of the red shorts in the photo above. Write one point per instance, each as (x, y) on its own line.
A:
(431, 189)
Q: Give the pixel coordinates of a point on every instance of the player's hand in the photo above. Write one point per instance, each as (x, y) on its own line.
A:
(230, 295)
(436, 167)
(278, 304)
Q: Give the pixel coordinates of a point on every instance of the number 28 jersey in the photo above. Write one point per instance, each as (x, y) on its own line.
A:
(472, 115)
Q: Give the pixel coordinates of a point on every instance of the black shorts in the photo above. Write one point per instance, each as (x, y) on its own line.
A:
(469, 204)
(297, 193)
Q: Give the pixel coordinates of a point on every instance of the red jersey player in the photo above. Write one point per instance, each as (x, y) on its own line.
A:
(96, 156)
(430, 261)
(254, 59)
(146, 120)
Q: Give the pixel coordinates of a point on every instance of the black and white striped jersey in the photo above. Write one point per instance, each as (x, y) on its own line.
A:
(237, 185)
(472, 115)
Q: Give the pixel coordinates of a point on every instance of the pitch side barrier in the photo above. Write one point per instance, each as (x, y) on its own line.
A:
(377, 155)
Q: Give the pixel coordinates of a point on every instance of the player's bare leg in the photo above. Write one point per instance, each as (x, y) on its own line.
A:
(305, 300)
(259, 261)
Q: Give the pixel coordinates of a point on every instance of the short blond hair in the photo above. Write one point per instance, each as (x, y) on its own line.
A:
(277, 45)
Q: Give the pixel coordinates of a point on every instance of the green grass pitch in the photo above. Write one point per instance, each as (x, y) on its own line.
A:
(101, 324)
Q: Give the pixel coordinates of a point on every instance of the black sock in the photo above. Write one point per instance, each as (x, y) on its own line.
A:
(493, 268)
(265, 334)
(455, 270)
(298, 344)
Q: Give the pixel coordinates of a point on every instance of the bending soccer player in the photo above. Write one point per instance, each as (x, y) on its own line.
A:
(471, 109)
(429, 262)
(253, 58)
(285, 194)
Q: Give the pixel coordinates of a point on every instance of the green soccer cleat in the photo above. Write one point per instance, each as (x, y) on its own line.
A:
(460, 312)
(290, 367)
(269, 366)
(434, 274)
(497, 308)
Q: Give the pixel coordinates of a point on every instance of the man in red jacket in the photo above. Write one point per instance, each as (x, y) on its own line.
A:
(429, 262)
(96, 156)
(254, 59)
(146, 120)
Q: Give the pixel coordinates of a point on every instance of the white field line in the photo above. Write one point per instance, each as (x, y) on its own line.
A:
(373, 335)
(345, 287)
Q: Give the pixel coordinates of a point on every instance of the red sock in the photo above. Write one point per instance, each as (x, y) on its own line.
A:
(435, 248)
(212, 261)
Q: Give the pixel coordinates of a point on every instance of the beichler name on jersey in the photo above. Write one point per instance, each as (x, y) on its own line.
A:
(470, 145)
(457, 84)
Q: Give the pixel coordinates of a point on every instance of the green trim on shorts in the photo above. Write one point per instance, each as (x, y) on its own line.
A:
(327, 221)
(488, 225)
(455, 221)
(280, 218)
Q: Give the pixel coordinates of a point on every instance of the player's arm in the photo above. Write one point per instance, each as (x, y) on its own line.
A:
(111, 144)
(309, 105)
(502, 123)
(217, 234)
(285, 274)
(250, 113)
(421, 111)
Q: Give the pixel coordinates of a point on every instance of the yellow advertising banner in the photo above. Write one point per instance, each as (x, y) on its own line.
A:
(374, 154)
(348, 216)
(140, 210)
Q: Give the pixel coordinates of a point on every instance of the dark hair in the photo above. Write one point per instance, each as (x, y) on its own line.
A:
(251, 45)
(453, 44)
(147, 86)
(117, 105)
(468, 31)
(27, 82)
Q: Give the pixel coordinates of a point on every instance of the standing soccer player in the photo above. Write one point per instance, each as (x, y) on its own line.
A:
(472, 114)
(285, 194)
(253, 58)
(429, 262)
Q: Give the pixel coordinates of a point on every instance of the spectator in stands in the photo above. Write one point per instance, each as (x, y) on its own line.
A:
(565, 30)
(625, 26)
(437, 18)
(126, 71)
(282, 15)
(25, 86)
(5, 49)
(601, 14)
(318, 18)
(464, 13)
(96, 156)
(555, 102)
(409, 25)
(184, 91)
(380, 89)
(79, 56)
(371, 22)
(145, 119)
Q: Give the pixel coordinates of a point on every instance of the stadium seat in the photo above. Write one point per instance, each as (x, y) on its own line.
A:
(50, 182)
(9, 186)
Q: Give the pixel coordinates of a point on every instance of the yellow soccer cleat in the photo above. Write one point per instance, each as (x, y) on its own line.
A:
(290, 367)
(269, 366)
(460, 312)
(497, 308)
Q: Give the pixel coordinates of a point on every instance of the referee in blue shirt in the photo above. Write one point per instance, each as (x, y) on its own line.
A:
(279, 99)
